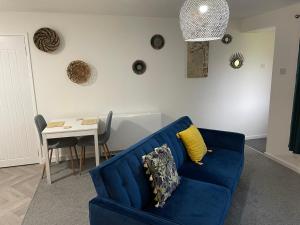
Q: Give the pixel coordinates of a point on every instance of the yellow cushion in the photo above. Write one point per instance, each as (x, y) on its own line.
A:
(194, 143)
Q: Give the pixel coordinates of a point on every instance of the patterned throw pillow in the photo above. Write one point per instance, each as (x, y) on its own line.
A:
(164, 178)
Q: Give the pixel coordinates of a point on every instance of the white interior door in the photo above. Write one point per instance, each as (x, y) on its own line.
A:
(18, 140)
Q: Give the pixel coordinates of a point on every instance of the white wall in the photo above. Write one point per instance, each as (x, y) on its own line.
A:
(286, 53)
(228, 99)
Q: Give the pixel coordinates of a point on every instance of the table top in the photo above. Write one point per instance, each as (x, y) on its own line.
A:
(71, 125)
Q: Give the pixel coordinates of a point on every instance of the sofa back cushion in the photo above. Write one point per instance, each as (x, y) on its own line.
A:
(123, 178)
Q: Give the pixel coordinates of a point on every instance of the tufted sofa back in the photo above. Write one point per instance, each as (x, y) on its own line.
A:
(123, 178)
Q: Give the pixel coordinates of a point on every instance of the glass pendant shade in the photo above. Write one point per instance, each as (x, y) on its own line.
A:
(204, 20)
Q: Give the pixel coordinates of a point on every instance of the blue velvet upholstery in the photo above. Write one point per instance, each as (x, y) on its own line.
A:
(223, 139)
(213, 171)
(125, 194)
(108, 212)
(195, 203)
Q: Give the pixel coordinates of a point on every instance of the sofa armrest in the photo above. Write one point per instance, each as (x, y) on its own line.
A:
(223, 139)
(104, 211)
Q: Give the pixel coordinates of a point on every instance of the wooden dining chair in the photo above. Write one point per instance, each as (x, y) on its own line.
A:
(103, 138)
(56, 143)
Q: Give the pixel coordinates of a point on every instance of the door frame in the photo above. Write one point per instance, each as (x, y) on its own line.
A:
(32, 85)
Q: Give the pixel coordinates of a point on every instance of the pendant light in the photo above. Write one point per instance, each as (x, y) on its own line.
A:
(204, 20)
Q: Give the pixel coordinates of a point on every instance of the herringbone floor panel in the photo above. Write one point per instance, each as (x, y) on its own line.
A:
(17, 187)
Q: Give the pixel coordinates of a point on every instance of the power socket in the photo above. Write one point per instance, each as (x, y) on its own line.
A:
(283, 71)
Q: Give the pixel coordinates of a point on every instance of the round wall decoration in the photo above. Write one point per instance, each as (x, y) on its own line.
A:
(237, 60)
(157, 42)
(227, 39)
(139, 67)
(46, 39)
(79, 72)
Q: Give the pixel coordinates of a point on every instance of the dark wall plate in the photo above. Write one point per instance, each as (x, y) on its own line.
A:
(157, 42)
(139, 67)
(227, 39)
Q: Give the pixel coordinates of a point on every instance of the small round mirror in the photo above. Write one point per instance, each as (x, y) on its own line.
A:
(237, 61)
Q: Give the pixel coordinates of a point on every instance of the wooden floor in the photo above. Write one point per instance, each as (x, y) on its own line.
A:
(17, 187)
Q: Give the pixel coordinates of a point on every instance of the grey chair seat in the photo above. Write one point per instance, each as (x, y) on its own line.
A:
(56, 143)
(88, 141)
(62, 142)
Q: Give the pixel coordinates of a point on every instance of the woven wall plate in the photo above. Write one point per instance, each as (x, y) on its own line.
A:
(46, 39)
(79, 72)
(139, 67)
(157, 42)
(227, 39)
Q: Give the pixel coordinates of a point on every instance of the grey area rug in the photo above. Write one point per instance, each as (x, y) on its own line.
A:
(259, 144)
(268, 194)
(65, 201)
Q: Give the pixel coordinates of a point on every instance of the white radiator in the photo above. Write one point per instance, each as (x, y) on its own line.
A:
(127, 129)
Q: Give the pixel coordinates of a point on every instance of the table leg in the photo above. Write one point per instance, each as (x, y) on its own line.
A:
(45, 152)
(57, 155)
(97, 152)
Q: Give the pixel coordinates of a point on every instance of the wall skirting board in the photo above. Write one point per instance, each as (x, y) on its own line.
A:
(250, 137)
(293, 163)
(280, 159)
(293, 166)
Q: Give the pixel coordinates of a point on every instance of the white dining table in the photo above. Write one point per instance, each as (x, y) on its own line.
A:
(71, 128)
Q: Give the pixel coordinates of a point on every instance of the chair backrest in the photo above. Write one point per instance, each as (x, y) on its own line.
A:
(108, 125)
(41, 124)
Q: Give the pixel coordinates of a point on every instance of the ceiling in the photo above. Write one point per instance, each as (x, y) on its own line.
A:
(151, 8)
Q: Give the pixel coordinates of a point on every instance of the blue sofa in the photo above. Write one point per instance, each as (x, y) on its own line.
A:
(124, 194)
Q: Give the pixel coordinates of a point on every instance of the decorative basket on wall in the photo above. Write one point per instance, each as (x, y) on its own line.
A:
(79, 72)
(46, 39)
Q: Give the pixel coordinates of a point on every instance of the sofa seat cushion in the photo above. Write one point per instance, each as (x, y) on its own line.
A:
(195, 203)
(222, 167)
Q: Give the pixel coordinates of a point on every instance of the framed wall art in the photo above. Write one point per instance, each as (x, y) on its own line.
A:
(197, 59)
